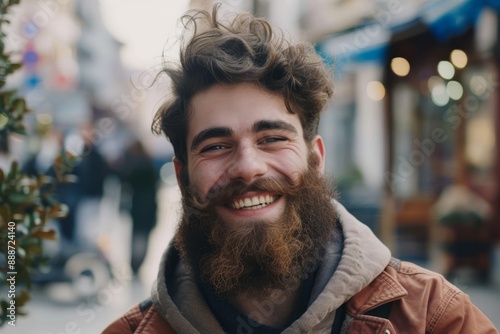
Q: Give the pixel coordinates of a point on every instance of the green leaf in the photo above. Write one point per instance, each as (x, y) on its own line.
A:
(19, 107)
(44, 233)
(4, 120)
(14, 167)
(17, 198)
(20, 130)
(15, 66)
(20, 252)
(23, 298)
(60, 212)
(5, 213)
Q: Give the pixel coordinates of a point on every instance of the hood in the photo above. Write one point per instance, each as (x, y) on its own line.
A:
(351, 262)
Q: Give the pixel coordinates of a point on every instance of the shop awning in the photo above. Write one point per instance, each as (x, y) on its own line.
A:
(369, 42)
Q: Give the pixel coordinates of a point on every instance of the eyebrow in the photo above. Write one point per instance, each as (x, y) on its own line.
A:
(210, 133)
(227, 132)
(273, 125)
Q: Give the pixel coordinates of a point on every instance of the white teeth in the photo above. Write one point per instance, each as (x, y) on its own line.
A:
(253, 203)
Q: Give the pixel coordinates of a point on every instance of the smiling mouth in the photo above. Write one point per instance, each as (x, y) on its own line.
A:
(254, 202)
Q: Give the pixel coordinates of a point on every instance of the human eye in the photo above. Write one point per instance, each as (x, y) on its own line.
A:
(273, 139)
(212, 148)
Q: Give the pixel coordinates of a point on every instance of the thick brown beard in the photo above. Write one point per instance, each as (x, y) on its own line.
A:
(262, 255)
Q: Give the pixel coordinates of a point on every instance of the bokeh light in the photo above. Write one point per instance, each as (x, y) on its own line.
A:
(375, 90)
(439, 94)
(400, 66)
(446, 69)
(458, 58)
(44, 119)
(434, 81)
(455, 90)
(478, 85)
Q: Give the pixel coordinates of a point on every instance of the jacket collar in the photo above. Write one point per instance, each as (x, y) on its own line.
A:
(383, 289)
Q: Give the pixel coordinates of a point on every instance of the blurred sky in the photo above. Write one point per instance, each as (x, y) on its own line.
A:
(144, 27)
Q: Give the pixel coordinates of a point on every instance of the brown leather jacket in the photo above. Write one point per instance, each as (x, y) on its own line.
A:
(422, 302)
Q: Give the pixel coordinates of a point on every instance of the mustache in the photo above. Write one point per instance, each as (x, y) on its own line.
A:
(224, 194)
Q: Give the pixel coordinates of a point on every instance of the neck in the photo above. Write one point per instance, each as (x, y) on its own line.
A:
(274, 309)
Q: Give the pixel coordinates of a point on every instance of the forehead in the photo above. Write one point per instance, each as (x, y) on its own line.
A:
(237, 107)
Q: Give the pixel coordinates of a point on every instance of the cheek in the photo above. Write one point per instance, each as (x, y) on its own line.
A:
(293, 167)
(205, 176)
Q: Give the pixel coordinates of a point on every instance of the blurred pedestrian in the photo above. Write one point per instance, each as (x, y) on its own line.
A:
(139, 186)
(91, 170)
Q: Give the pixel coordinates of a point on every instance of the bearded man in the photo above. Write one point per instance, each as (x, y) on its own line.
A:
(263, 246)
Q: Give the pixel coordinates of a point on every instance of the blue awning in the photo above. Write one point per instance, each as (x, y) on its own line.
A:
(369, 42)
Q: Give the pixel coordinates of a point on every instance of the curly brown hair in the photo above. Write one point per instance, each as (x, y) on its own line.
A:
(244, 50)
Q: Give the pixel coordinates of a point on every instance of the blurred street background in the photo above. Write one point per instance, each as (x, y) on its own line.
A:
(412, 137)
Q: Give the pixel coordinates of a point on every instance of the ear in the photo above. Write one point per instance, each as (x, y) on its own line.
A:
(178, 167)
(318, 149)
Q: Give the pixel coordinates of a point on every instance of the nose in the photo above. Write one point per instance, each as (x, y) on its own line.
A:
(248, 165)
